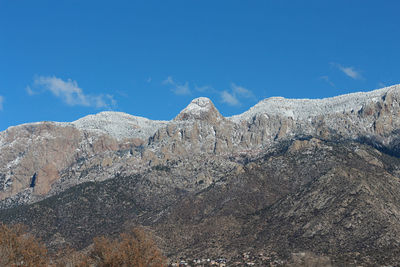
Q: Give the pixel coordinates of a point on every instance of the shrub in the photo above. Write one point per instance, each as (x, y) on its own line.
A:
(18, 248)
(135, 248)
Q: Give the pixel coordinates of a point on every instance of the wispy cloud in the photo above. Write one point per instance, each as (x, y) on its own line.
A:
(203, 89)
(381, 84)
(237, 92)
(70, 93)
(169, 80)
(1, 102)
(30, 91)
(241, 91)
(233, 96)
(229, 98)
(349, 71)
(122, 93)
(182, 89)
(328, 80)
(177, 88)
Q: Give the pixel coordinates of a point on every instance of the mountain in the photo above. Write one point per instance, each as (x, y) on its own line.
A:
(286, 176)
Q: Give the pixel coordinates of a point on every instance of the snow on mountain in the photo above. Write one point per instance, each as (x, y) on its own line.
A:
(301, 109)
(119, 125)
(201, 108)
(51, 149)
(198, 105)
(122, 125)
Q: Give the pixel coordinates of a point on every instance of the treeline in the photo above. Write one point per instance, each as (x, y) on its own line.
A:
(134, 248)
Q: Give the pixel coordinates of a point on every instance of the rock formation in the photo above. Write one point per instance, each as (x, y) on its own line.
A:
(297, 169)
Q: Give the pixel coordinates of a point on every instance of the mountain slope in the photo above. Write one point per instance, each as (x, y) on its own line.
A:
(321, 196)
(286, 176)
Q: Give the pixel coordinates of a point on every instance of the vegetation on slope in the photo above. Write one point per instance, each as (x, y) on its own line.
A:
(133, 248)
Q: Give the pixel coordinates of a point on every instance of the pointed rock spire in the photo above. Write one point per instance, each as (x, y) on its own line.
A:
(200, 108)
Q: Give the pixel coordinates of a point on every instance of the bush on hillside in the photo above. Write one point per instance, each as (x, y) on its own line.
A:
(135, 248)
(18, 248)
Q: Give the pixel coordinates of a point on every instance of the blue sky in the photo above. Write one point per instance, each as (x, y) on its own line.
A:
(61, 60)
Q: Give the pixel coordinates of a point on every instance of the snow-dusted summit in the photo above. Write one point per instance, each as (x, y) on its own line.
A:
(119, 125)
(200, 108)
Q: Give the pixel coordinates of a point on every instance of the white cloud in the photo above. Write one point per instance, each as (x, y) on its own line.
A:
(205, 88)
(181, 89)
(71, 94)
(229, 98)
(1, 102)
(237, 92)
(381, 84)
(243, 92)
(326, 79)
(169, 80)
(349, 71)
(177, 88)
(122, 93)
(30, 91)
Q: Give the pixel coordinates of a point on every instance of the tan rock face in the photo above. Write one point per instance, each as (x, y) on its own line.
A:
(46, 176)
(105, 143)
(41, 148)
(286, 124)
(107, 162)
(55, 151)
(46, 149)
(369, 158)
(299, 145)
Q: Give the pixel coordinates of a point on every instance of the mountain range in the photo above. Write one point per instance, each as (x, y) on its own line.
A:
(287, 176)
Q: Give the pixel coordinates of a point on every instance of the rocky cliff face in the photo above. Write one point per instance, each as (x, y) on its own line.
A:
(202, 169)
(99, 146)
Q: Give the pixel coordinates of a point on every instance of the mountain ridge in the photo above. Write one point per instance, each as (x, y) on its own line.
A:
(272, 105)
(207, 184)
(112, 140)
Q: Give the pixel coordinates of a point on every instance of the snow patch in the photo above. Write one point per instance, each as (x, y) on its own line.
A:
(13, 163)
(119, 125)
(198, 106)
(122, 125)
(302, 109)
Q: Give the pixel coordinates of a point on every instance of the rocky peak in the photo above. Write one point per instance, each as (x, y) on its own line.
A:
(200, 108)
